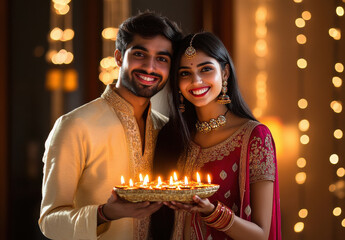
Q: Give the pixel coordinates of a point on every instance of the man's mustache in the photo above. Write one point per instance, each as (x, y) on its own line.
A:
(146, 73)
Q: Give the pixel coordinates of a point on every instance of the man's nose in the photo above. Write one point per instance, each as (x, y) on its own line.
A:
(150, 65)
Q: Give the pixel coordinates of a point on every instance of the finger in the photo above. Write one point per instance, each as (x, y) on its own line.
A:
(141, 204)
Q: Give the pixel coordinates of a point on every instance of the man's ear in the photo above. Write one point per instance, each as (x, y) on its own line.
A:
(118, 57)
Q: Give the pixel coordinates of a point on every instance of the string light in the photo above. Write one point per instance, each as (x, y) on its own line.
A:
(303, 124)
(114, 12)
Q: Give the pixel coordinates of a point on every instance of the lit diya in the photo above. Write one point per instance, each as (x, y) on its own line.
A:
(172, 190)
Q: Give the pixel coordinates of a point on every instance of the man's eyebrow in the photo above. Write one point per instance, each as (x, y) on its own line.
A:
(139, 47)
(200, 64)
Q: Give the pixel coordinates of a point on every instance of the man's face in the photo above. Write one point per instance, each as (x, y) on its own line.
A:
(145, 65)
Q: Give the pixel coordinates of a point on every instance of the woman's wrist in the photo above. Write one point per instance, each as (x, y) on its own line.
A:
(101, 215)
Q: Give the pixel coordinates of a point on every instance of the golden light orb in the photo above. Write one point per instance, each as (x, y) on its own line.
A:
(301, 162)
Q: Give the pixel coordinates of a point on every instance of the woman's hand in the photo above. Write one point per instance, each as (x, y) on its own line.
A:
(200, 205)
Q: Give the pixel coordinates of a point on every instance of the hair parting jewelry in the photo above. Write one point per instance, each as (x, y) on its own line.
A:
(190, 51)
(213, 124)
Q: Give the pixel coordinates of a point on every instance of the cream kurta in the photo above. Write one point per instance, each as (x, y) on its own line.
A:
(86, 153)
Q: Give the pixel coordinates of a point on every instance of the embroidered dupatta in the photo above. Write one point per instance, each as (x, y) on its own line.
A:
(239, 142)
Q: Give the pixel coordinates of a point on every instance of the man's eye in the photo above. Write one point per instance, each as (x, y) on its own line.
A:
(162, 59)
(138, 54)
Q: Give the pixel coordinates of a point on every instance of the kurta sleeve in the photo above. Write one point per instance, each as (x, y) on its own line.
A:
(64, 159)
(262, 155)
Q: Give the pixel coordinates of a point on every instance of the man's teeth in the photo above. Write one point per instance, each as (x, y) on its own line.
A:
(149, 79)
(200, 91)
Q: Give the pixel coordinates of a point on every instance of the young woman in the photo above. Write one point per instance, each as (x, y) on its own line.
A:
(212, 131)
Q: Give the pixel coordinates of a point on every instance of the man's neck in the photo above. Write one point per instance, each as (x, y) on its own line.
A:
(139, 104)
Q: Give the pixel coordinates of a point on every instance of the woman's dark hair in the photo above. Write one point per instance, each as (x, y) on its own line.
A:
(174, 139)
(146, 24)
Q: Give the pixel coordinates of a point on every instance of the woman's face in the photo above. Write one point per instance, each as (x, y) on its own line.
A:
(200, 79)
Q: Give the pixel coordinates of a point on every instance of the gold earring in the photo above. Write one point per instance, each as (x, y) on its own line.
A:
(224, 98)
(182, 106)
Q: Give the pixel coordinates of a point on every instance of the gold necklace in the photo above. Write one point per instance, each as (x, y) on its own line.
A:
(213, 124)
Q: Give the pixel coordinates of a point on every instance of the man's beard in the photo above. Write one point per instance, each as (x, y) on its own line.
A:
(138, 89)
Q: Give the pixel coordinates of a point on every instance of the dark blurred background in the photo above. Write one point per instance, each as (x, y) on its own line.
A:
(261, 36)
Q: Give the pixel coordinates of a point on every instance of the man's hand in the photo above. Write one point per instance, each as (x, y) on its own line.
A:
(117, 208)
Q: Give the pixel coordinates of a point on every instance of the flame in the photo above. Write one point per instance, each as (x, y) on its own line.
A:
(208, 179)
(171, 180)
(122, 180)
(146, 179)
(159, 181)
(198, 178)
(175, 177)
(140, 177)
(130, 182)
(185, 180)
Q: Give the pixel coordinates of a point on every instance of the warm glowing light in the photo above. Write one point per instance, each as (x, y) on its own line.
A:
(298, 1)
(175, 177)
(303, 213)
(63, 2)
(261, 14)
(108, 62)
(110, 33)
(337, 81)
(106, 78)
(302, 103)
(185, 180)
(54, 78)
(261, 31)
(198, 178)
(171, 182)
(122, 180)
(304, 139)
(339, 67)
(332, 188)
(341, 172)
(335, 33)
(301, 39)
(146, 179)
(299, 227)
(261, 48)
(337, 211)
(334, 158)
(70, 83)
(302, 63)
(306, 15)
(301, 177)
(159, 181)
(131, 182)
(343, 223)
(208, 179)
(301, 162)
(338, 133)
(303, 125)
(337, 106)
(61, 9)
(141, 177)
(56, 34)
(340, 11)
(68, 34)
(300, 22)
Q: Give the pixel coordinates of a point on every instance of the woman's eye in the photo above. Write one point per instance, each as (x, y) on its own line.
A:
(184, 73)
(206, 69)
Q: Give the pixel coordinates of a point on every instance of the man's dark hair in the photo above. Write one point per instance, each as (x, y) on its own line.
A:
(146, 24)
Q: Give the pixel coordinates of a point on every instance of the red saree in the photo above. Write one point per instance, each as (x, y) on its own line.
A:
(246, 157)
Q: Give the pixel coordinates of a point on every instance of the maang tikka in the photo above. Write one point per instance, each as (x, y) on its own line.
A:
(190, 51)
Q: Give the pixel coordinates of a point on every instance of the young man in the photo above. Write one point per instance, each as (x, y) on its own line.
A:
(90, 148)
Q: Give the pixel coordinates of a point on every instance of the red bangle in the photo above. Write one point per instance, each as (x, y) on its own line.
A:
(101, 214)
